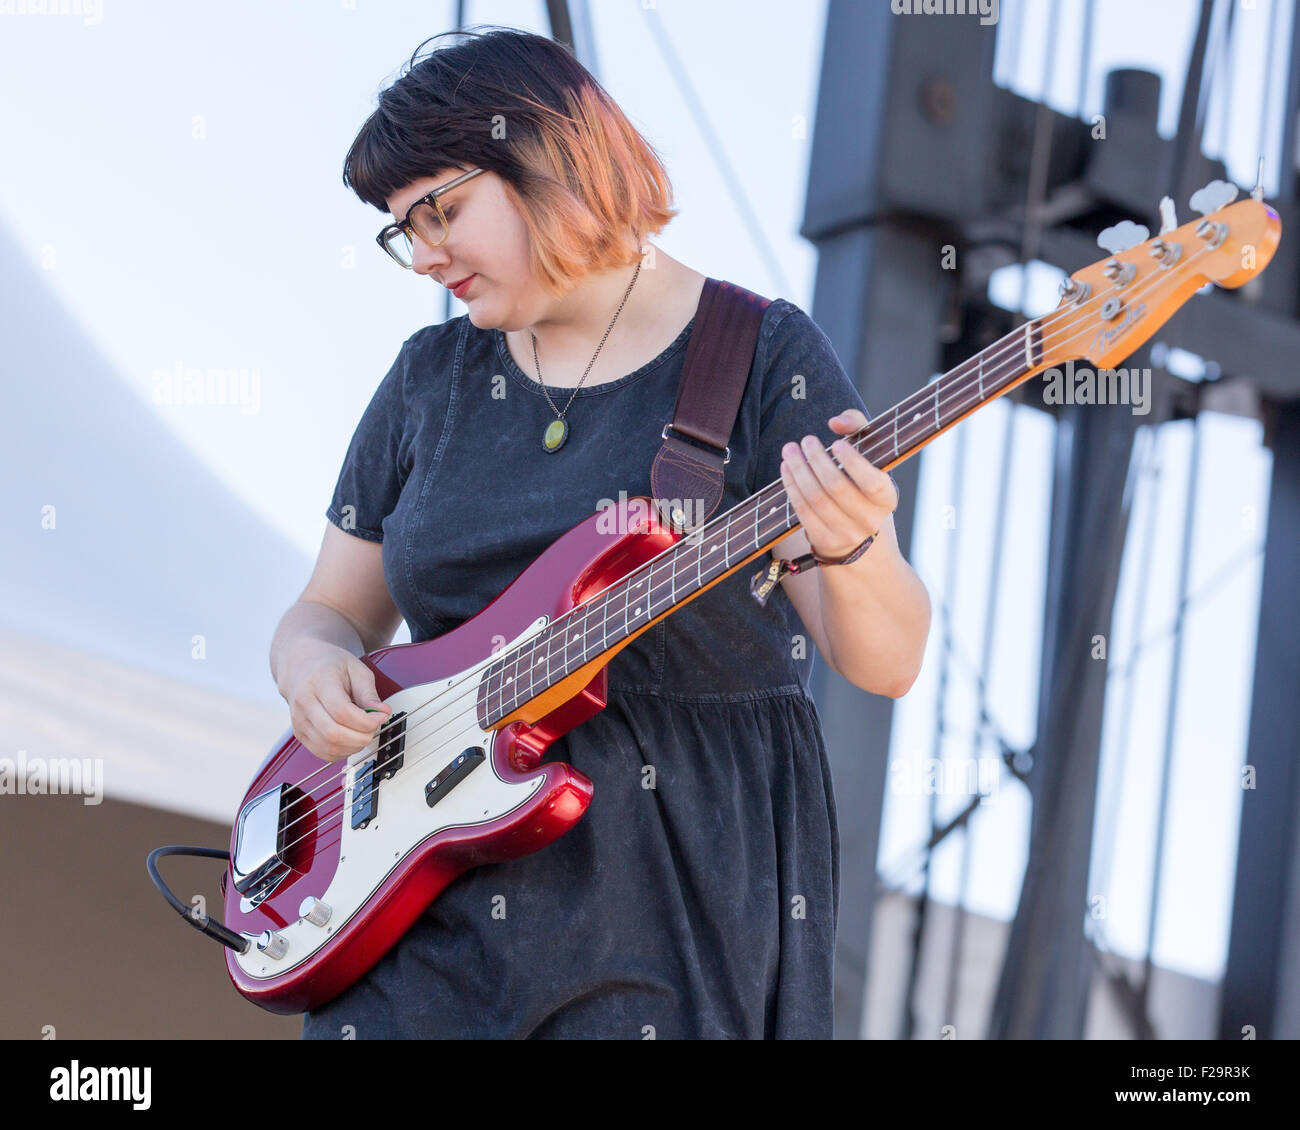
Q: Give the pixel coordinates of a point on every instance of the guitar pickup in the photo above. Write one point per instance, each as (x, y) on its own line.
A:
(392, 746)
(450, 777)
(389, 755)
(365, 798)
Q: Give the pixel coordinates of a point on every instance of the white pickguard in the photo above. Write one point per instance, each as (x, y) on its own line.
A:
(442, 720)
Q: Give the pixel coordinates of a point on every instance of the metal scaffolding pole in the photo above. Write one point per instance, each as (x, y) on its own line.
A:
(1261, 983)
(1042, 991)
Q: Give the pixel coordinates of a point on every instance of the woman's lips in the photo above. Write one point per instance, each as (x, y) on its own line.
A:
(460, 288)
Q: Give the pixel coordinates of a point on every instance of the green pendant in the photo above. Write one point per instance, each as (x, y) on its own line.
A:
(556, 433)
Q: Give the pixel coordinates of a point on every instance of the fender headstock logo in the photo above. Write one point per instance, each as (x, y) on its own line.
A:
(1107, 336)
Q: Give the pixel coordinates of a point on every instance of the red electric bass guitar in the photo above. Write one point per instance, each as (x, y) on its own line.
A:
(330, 863)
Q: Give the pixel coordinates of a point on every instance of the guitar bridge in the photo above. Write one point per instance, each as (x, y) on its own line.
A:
(262, 844)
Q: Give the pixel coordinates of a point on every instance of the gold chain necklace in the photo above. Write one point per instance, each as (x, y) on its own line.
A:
(558, 430)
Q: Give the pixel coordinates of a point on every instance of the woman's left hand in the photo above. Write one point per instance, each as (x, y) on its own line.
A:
(839, 509)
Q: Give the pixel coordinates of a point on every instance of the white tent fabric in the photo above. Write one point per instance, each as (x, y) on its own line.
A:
(141, 597)
(149, 739)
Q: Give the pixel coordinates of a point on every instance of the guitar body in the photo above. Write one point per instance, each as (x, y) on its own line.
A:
(295, 839)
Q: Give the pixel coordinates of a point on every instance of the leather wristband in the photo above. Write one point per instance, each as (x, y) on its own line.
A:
(764, 581)
(847, 559)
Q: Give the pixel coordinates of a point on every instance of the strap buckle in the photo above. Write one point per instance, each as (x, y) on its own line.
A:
(726, 451)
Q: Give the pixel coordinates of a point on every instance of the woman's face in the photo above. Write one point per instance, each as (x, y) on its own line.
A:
(486, 238)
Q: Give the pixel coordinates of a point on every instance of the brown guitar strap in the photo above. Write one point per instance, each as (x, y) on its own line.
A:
(719, 355)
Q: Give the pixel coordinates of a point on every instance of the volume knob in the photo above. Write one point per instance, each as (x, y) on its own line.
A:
(272, 944)
(315, 911)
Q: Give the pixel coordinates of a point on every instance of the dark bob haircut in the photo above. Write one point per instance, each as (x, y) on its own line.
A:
(520, 106)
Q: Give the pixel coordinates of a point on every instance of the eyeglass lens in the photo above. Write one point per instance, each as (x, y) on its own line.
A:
(428, 225)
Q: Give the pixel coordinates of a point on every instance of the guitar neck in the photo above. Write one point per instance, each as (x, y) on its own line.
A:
(723, 544)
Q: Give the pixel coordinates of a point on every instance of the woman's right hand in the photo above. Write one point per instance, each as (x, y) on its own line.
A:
(327, 689)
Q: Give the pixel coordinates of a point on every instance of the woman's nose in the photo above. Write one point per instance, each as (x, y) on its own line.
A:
(427, 260)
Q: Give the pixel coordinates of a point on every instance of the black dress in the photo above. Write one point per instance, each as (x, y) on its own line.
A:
(704, 906)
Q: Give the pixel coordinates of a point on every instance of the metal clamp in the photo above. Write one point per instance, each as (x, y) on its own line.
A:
(727, 450)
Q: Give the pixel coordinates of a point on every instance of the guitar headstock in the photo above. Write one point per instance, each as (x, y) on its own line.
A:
(1116, 304)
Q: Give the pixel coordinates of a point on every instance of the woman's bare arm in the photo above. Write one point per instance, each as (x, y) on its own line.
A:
(346, 601)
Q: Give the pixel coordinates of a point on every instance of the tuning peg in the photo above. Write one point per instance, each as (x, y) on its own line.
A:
(1122, 236)
(1168, 216)
(1213, 196)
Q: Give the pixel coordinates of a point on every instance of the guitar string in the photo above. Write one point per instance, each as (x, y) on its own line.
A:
(588, 605)
(1004, 349)
(649, 567)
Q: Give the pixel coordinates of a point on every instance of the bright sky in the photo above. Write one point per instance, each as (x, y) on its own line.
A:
(178, 185)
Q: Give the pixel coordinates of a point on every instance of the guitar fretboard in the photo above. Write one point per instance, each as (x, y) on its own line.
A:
(722, 544)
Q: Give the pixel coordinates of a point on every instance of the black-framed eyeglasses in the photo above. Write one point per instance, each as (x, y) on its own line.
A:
(425, 218)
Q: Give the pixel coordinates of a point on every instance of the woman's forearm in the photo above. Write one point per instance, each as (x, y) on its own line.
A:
(875, 612)
(876, 617)
(308, 619)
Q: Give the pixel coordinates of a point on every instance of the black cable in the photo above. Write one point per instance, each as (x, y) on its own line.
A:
(1124, 991)
(951, 648)
(735, 185)
(204, 923)
(908, 1020)
(1191, 123)
(1143, 988)
(1216, 581)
